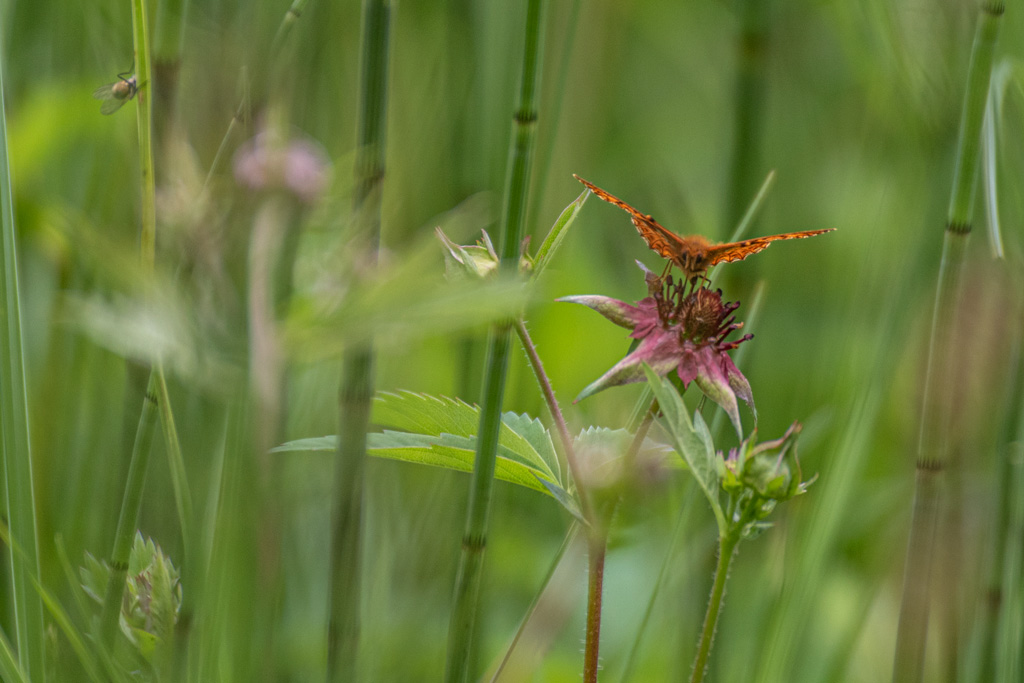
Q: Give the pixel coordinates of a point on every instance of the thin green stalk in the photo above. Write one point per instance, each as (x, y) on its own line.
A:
(726, 550)
(156, 389)
(15, 434)
(467, 582)
(128, 518)
(823, 527)
(9, 664)
(170, 30)
(751, 48)
(597, 549)
(291, 17)
(168, 43)
(357, 380)
(1009, 657)
(179, 477)
(570, 536)
(934, 437)
(1008, 461)
(668, 563)
(144, 116)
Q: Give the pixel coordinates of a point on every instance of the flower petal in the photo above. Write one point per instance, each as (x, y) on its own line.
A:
(619, 312)
(660, 350)
(715, 385)
(739, 383)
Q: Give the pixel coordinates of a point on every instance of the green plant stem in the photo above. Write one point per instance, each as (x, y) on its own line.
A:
(144, 116)
(1009, 659)
(170, 30)
(291, 17)
(132, 500)
(751, 48)
(934, 437)
(15, 433)
(127, 520)
(168, 43)
(468, 578)
(998, 582)
(726, 550)
(597, 548)
(179, 477)
(357, 379)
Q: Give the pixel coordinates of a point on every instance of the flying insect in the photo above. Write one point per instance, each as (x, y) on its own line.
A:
(115, 94)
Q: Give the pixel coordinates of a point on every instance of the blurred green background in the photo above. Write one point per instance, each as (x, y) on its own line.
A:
(855, 106)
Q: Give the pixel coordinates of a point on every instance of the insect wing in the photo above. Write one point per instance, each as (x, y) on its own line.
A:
(659, 238)
(111, 105)
(737, 251)
(111, 102)
(104, 92)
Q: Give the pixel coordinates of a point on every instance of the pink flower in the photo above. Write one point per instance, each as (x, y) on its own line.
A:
(681, 332)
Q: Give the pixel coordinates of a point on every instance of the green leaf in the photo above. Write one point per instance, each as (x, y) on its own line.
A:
(557, 233)
(441, 432)
(565, 498)
(447, 451)
(533, 431)
(523, 439)
(694, 444)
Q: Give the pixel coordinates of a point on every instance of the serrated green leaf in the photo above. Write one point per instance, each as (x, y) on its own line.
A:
(452, 453)
(445, 450)
(94, 576)
(435, 415)
(692, 445)
(441, 432)
(423, 414)
(621, 440)
(533, 431)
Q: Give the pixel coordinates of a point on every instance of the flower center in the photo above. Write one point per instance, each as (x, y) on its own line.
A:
(701, 316)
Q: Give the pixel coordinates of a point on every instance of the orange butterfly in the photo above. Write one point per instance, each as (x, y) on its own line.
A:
(693, 254)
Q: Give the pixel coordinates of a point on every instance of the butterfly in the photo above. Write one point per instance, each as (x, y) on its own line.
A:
(693, 254)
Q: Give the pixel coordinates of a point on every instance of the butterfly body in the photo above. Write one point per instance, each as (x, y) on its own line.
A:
(692, 254)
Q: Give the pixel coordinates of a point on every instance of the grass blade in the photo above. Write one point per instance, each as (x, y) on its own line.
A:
(15, 434)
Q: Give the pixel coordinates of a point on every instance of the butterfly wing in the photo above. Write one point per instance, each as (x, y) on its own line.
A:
(660, 239)
(737, 251)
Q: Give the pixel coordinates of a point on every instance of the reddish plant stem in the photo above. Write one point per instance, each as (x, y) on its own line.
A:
(552, 403)
(597, 546)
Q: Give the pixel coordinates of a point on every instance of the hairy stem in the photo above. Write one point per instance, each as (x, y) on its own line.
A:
(549, 397)
(597, 548)
(726, 551)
